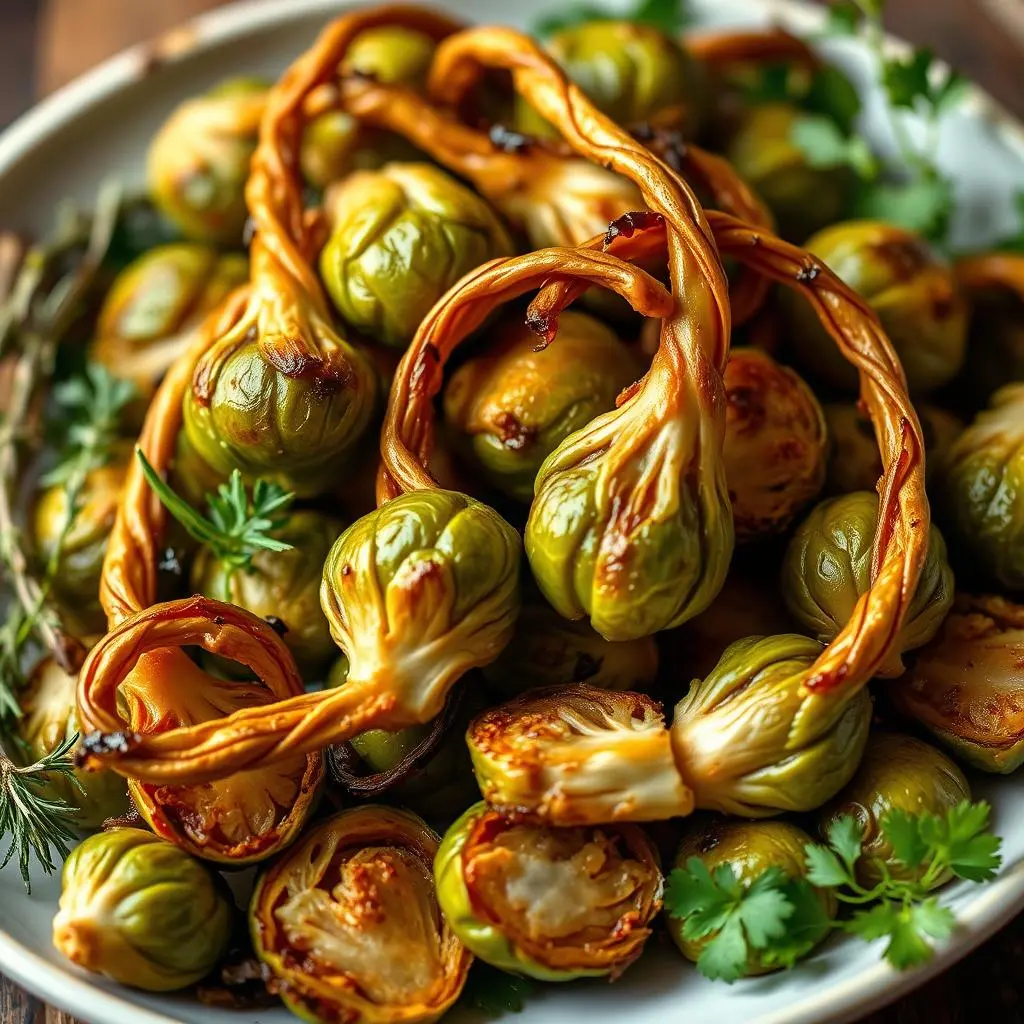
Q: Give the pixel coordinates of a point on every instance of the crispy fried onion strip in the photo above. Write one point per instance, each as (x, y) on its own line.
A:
(900, 543)
(306, 722)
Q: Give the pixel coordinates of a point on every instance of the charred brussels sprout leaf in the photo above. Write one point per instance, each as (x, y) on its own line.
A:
(349, 923)
(401, 237)
(140, 911)
(199, 160)
(909, 286)
(897, 773)
(511, 406)
(750, 740)
(775, 443)
(965, 687)
(553, 904)
(827, 568)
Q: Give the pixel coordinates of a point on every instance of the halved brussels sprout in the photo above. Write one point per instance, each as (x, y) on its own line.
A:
(349, 923)
(400, 238)
(751, 740)
(897, 773)
(966, 686)
(775, 443)
(982, 492)
(238, 820)
(911, 288)
(77, 580)
(511, 406)
(632, 72)
(828, 567)
(855, 463)
(335, 143)
(154, 306)
(48, 719)
(577, 755)
(750, 848)
(554, 904)
(803, 198)
(283, 585)
(198, 161)
(140, 911)
(547, 650)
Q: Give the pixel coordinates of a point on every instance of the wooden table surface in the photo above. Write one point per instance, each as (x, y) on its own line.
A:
(45, 43)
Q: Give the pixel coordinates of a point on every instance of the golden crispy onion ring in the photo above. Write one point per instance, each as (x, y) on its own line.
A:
(900, 543)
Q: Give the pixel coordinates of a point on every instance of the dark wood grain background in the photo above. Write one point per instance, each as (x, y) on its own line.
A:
(45, 43)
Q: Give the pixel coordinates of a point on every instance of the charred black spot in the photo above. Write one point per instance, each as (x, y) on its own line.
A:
(512, 433)
(218, 620)
(808, 273)
(545, 327)
(100, 743)
(169, 562)
(346, 570)
(277, 625)
(630, 223)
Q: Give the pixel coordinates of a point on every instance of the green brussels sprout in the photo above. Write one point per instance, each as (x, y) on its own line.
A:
(855, 463)
(154, 306)
(750, 848)
(966, 687)
(576, 755)
(335, 143)
(897, 773)
(48, 718)
(802, 197)
(909, 286)
(284, 585)
(547, 650)
(751, 740)
(981, 490)
(775, 443)
(198, 161)
(553, 904)
(140, 911)
(511, 406)
(292, 426)
(77, 580)
(400, 238)
(827, 568)
(420, 591)
(348, 922)
(632, 72)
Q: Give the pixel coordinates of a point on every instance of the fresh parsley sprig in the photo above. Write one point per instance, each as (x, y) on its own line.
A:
(237, 525)
(671, 16)
(779, 919)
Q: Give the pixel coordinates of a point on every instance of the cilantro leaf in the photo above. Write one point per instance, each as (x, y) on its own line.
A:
(724, 958)
(907, 926)
(824, 868)
(825, 145)
(923, 205)
(906, 79)
(702, 901)
(845, 836)
(961, 841)
(834, 96)
(765, 908)
(806, 925)
(903, 831)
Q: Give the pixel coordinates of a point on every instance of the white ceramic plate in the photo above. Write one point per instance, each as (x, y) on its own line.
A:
(100, 126)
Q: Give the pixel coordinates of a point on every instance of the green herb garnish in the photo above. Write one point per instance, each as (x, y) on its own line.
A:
(670, 16)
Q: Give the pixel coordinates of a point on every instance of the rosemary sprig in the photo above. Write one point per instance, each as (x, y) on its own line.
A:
(237, 525)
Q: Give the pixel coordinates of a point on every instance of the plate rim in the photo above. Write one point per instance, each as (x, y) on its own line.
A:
(62, 986)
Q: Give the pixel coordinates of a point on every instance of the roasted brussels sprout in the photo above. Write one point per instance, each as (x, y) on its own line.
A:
(77, 579)
(827, 568)
(283, 585)
(554, 904)
(400, 238)
(632, 72)
(744, 607)
(335, 143)
(576, 755)
(750, 848)
(547, 650)
(966, 686)
(47, 720)
(154, 306)
(751, 740)
(855, 463)
(775, 443)
(909, 286)
(980, 492)
(349, 923)
(199, 160)
(897, 773)
(803, 198)
(292, 424)
(140, 911)
(511, 406)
